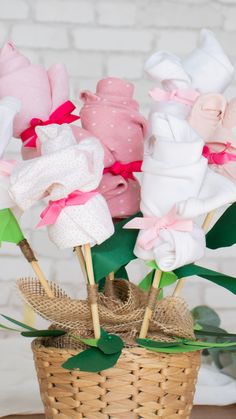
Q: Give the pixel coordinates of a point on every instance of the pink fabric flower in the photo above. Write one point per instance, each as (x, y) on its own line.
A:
(112, 115)
(40, 91)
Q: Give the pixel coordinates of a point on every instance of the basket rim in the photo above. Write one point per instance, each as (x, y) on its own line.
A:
(37, 344)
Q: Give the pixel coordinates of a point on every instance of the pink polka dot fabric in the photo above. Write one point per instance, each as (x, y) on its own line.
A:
(112, 115)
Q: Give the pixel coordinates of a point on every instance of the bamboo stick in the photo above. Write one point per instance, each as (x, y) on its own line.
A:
(149, 310)
(30, 257)
(79, 253)
(37, 270)
(205, 226)
(91, 281)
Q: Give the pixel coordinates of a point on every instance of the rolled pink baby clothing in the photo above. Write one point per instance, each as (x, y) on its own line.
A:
(41, 92)
(112, 115)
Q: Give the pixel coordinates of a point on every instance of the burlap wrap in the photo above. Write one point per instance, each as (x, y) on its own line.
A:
(121, 311)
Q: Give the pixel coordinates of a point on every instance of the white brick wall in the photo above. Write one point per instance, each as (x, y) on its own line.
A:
(96, 38)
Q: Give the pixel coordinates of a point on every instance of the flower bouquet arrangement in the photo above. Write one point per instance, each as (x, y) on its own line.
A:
(120, 188)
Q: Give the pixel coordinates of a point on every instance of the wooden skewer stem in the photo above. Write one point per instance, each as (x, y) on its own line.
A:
(43, 281)
(79, 253)
(91, 281)
(148, 311)
(111, 276)
(30, 257)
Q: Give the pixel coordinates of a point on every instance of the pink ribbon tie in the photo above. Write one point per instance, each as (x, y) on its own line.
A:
(220, 158)
(126, 170)
(186, 96)
(50, 215)
(153, 226)
(62, 115)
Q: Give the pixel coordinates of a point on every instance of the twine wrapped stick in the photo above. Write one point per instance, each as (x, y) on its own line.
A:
(77, 215)
(87, 269)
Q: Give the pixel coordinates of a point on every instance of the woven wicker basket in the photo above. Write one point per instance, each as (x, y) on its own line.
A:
(143, 384)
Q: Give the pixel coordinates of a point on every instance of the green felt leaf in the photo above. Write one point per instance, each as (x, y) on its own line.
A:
(223, 233)
(115, 252)
(92, 360)
(25, 326)
(110, 344)
(218, 278)
(43, 333)
(10, 230)
(205, 315)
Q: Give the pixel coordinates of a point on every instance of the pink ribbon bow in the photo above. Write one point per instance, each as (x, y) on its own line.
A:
(50, 215)
(62, 115)
(220, 158)
(126, 170)
(186, 96)
(154, 225)
(6, 167)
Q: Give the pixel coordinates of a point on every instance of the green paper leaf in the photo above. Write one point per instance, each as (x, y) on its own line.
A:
(90, 342)
(167, 278)
(9, 228)
(43, 333)
(216, 334)
(91, 360)
(25, 326)
(178, 348)
(110, 344)
(183, 345)
(115, 252)
(121, 273)
(2, 326)
(223, 233)
(146, 282)
(205, 315)
(206, 345)
(148, 343)
(218, 278)
(197, 327)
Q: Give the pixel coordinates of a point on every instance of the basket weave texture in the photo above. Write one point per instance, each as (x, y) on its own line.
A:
(143, 384)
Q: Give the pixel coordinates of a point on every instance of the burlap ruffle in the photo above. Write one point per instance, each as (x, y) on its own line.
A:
(121, 311)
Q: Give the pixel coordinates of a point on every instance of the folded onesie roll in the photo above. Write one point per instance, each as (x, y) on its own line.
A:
(69, 174)
(40, 91)
(177, 95)
(173, 170)
(112, 115)
(208, 66)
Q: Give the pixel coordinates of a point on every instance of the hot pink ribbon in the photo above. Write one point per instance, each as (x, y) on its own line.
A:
(220, 158)
(186, 96)
(154, 225)
(126, 170)
(50, 215)
(62, 115)
(6, 167)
